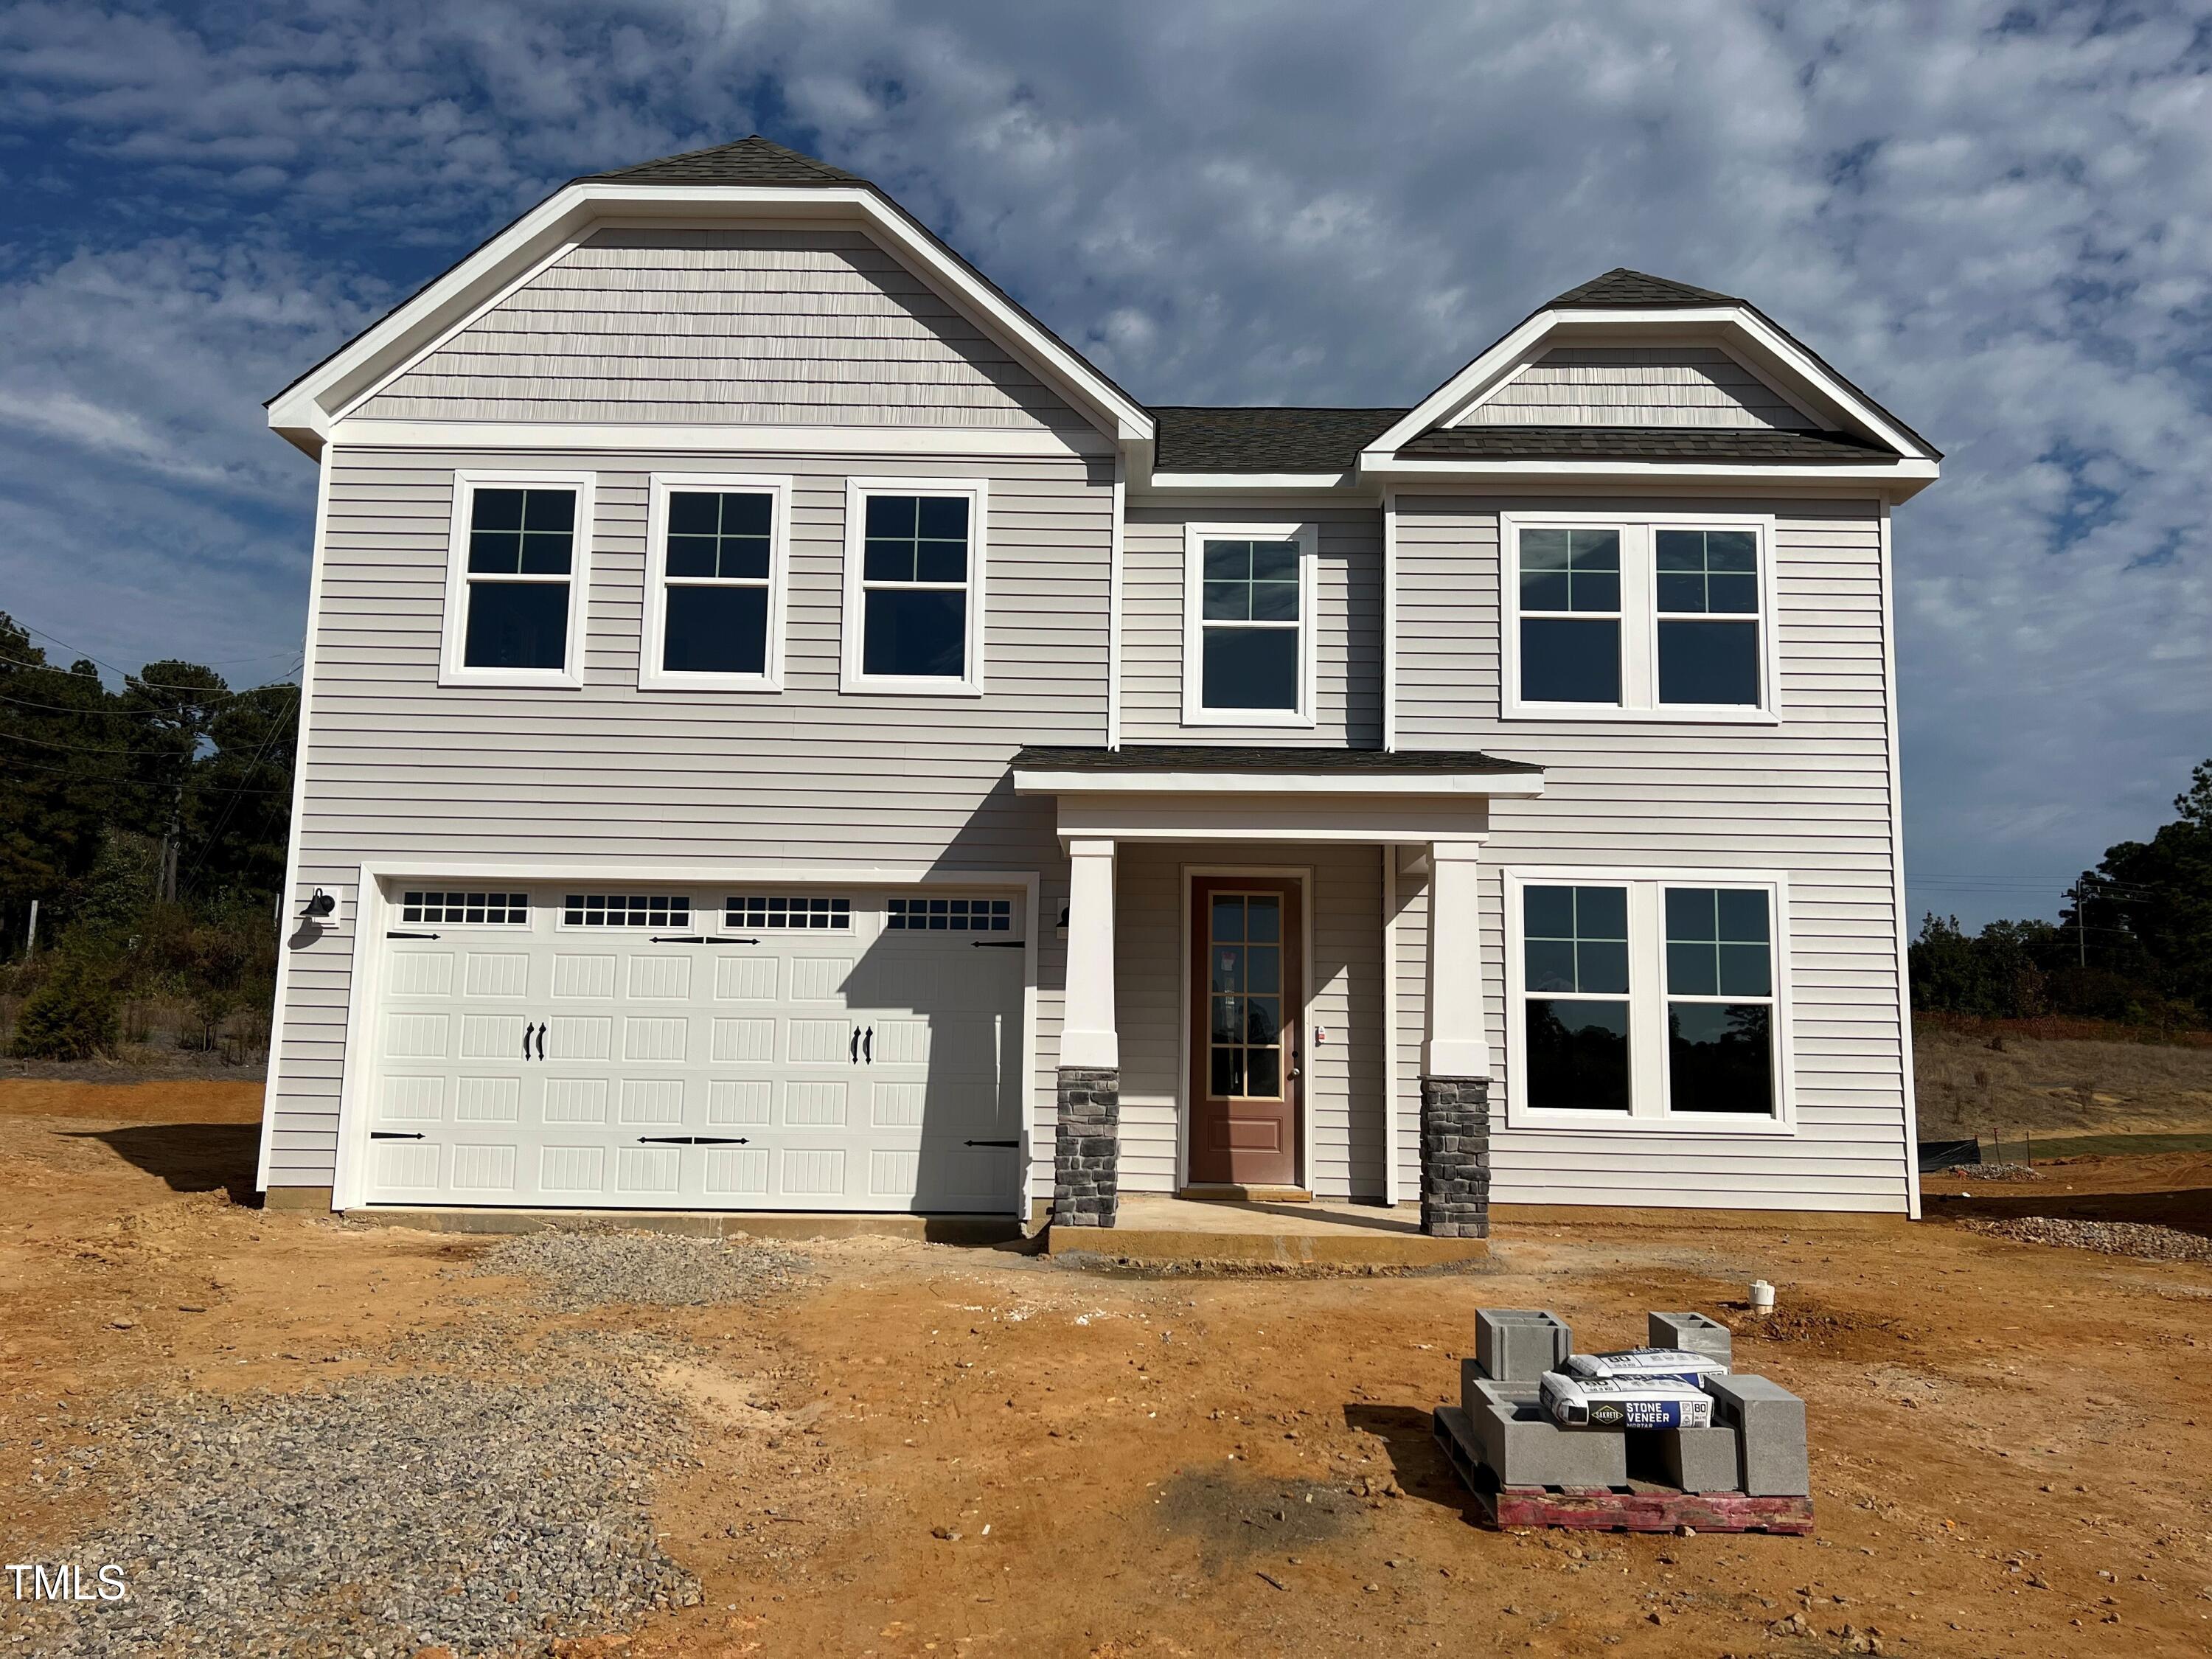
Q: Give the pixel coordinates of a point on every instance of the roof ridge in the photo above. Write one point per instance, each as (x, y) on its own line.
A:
(753, 147)
(1622, 286)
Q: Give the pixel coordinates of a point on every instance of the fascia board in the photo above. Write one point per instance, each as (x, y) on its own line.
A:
(1088, 783)
(309, 402)
(1899, 478)
(1200, 482)
(1448, 397)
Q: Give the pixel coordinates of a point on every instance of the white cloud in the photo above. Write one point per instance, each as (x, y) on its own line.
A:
(1998, 219)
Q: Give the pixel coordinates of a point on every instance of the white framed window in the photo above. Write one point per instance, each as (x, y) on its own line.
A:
(949, 916)
(915, 553)
(717, 552)
(457, 909)
(517, 579)
(1247, 638)
(787, 912)
(1648, 999)
(1641, 616)
(625, 910)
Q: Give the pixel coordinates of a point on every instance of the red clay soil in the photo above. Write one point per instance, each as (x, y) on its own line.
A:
(928, 1450)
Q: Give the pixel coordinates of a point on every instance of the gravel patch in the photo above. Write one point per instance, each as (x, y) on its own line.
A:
(580, 1271)
(2135, 1238)
(1995, 1172)
(484, 1513)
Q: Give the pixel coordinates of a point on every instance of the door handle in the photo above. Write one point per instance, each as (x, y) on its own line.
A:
(542, 1030)
(856, 1045)
(526, 1031)
(868, 1046)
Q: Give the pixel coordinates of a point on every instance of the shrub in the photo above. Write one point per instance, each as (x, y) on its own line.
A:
(71, 1017)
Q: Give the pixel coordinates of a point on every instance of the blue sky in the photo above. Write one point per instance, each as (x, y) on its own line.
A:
(1996, 218)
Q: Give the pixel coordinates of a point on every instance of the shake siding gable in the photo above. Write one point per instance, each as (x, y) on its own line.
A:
(1348, 622)
(755, 327)
(397, 767)
(1637, 386)
(1809, 798)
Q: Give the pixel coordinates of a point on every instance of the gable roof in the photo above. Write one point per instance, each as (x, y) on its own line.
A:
(730, 171)
(1754, 445)
(1195, 439)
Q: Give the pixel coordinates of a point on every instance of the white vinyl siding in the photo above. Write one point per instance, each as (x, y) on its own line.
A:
(397, 767)
(1346, 605)
(1637, 386)
(1809, 799)
(757, 327)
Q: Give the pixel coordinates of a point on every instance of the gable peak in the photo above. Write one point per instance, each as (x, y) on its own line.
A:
(748, 160)
(1622, 287)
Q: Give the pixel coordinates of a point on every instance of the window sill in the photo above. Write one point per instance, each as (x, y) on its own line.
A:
(905, 687)
(1683, 715)
(1675, 1123)
(1268, 717)
(754, 684)
(511, 678)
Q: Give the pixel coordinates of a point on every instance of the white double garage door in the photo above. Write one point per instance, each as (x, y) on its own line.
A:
(815, 1049)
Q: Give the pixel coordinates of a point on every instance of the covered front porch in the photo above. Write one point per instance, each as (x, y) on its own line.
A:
(1252, 1010)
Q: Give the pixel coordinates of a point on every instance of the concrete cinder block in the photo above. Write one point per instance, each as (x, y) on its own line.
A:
(1519, 1345)
(1695, 1460)
(1770, 1421)
(1524, 1447)
(1476, 1390)
(1693, 1331)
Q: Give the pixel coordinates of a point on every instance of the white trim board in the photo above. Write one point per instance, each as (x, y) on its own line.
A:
(651, 675)
(675, 437)
(1195, 535)
(453, 634)
(1649, 1113)
(1319, 781)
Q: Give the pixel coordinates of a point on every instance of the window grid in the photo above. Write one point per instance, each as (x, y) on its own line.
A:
(951, 916)
(1570, 602)
(493, 909)
(1250, 588)
(717, 594)
(625, 910)
(916, 571)
(1720, 1001)
(790, 912)
(520, 568)
(1577, 1001)
(1705, 599)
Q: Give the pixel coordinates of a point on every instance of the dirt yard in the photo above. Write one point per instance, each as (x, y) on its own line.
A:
(893, 1449)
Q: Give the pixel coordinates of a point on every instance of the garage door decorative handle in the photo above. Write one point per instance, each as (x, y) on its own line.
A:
(868, 1046)
(526, 1031)
(542, 1030)
(692, 1141)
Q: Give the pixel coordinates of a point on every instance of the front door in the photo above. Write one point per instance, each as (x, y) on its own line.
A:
(1246, 985)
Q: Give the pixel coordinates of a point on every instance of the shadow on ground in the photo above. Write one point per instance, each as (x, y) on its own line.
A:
(1417, 1462)
(191, 1157)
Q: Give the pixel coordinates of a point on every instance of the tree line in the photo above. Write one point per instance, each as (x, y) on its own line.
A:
(2135, 946)
(149, 824)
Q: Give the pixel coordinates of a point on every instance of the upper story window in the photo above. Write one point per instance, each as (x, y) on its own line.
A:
(714, 582)
(1646, 616)
(914, 586)
(517, 575)
(1646, 999)
(1248, 625)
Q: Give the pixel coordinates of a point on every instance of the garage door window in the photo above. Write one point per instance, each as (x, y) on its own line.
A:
(951, 916)
(625, 910)
(462, 909)
(790, 912)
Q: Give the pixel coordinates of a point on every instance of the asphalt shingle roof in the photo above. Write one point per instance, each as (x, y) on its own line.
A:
(1754, 445)
(753, 160)
(1193, 439)
(1261, 757)
(1622, 287)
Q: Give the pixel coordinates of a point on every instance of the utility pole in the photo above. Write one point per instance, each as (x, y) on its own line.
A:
(2081, 923)
(31, 934)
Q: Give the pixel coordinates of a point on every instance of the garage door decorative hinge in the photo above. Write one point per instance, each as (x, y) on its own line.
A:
(692, 1141)
(1000, 943)
(392, 1134)
(990, 1143)
(696, 939)
(396, 935)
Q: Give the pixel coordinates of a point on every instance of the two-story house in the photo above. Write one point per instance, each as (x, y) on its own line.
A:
(781, 730)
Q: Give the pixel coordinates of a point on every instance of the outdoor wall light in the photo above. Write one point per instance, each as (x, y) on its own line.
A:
(323, 904)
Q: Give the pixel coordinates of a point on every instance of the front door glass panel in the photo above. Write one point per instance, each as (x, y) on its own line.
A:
(1244, 966)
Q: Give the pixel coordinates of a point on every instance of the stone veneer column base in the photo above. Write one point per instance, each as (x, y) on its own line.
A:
(1086, 1182)
(1455, 1157)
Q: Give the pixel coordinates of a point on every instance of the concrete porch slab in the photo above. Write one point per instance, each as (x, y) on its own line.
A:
(1311, 1233)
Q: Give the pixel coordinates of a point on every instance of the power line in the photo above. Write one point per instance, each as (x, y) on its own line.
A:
(269, 656)
(231, 806)
(206, 697)
(84, 749)
(71, 772)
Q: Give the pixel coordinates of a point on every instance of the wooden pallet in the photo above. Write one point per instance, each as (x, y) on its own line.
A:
(1639, 1506)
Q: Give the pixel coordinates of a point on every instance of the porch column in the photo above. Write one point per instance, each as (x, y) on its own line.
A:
(1086, 1184)
(1455, 1061)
